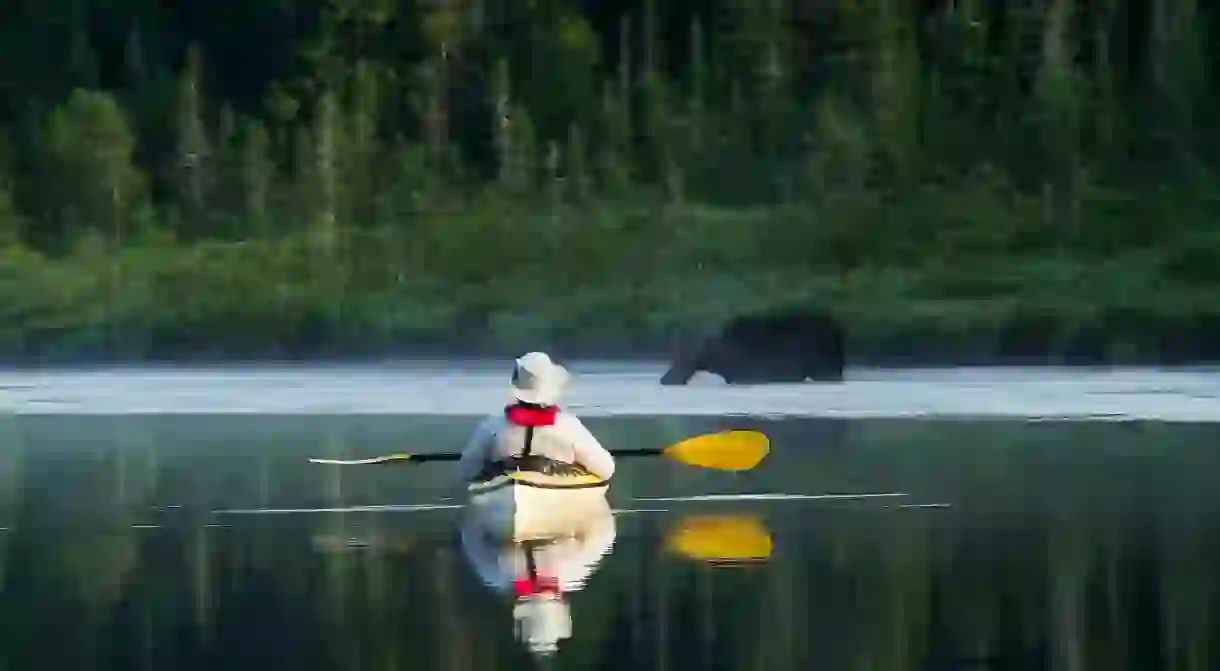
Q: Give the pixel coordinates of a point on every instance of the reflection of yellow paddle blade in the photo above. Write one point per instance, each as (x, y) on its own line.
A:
(721, 538)
(728, 450)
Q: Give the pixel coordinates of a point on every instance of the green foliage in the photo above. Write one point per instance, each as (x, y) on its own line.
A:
(12, 223)
(92, 183)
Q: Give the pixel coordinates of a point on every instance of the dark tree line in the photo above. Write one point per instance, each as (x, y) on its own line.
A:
(410, 142)
(210, 119)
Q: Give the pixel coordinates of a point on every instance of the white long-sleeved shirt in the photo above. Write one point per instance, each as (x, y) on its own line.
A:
(567, 440)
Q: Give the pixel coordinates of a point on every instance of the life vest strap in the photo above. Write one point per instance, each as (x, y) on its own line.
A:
(532, 463)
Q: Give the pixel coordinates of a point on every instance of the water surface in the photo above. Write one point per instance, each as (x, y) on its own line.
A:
(1002, 545)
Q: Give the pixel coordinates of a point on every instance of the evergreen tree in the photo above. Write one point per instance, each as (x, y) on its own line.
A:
(90, 151)
(194, 159)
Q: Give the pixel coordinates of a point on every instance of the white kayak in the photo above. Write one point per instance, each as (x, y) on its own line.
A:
(526, 505)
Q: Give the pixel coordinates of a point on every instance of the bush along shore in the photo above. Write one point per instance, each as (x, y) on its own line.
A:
(382, 294)
(317, 180)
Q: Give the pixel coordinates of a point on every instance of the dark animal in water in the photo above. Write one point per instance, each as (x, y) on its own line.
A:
(777, 347)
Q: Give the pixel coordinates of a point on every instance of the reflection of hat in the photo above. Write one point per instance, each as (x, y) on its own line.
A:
(541, 623)
(538, 380)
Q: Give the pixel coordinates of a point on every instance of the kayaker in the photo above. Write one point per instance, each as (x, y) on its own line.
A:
(533, 433)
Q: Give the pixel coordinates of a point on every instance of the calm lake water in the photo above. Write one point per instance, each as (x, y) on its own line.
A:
(132, 543)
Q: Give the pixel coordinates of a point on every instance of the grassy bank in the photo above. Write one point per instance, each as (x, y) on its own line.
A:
(620, 281)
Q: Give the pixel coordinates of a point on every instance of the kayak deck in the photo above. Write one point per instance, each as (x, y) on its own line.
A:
(536, 480)
(524, 505)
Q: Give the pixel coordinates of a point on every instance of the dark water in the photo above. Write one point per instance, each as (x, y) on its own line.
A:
(1060, 546)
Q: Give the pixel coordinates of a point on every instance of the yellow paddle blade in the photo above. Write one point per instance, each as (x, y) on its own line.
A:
(720, 538)
(728, 450)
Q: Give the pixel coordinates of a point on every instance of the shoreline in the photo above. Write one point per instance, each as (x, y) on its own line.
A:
(412, 359)
(270, 302)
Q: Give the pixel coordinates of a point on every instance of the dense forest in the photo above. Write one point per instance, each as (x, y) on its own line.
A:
(956, 178)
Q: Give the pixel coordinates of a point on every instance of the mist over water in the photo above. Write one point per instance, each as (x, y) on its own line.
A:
(602, 389)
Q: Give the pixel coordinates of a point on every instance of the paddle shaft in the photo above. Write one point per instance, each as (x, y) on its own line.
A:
(454, 456)
(727, 450)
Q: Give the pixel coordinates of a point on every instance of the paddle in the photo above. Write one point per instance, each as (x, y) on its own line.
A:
(726, 451)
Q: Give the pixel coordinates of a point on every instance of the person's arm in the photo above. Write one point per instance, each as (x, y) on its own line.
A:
(484, 559)
(474, 456)
(588, 451)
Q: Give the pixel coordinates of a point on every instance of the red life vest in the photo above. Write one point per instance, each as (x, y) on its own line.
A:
(530, 416)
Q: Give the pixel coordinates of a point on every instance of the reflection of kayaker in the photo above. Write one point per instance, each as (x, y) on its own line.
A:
(538, 574)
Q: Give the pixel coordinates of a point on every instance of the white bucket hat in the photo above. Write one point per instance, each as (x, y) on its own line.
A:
(538, 380)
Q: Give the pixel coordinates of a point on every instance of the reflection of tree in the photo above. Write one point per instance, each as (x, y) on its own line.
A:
(12, 480)
(1068, 563)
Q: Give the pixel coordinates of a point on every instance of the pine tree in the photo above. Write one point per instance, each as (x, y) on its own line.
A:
(90, 151)
(257, 171)
(12, 223)
(327, 138)
(1060, 111)
(193, 161)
